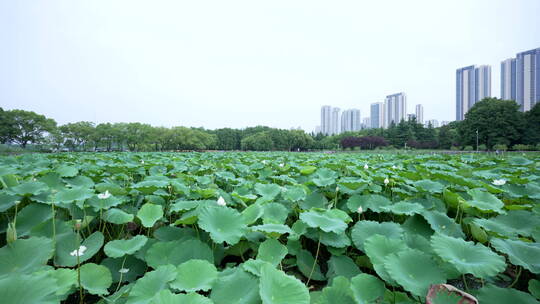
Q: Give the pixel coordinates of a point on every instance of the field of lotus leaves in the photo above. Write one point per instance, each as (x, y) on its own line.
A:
(283, 228)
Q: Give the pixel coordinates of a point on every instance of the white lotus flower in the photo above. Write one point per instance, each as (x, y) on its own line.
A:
(394, 167)
(105, 195)
(264, 161)
(282, 165)
(221, 201)
(499, 182)
(78, 252)
(123, 270)
(142, 161)
(386, 181)
(337, 189)
(360, 210)
(366, 166)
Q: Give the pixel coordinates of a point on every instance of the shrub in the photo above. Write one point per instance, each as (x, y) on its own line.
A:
(482, 147)
(537, 147)
(500, 147)
(455, 148)
(520, 147)
(468, 148)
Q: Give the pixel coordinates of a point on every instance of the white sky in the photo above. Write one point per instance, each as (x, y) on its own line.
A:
(244, 63)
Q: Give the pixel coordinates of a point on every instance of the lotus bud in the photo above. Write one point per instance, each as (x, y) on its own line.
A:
(221, 201)
(11, 233)
(360, 210)
(366, 166)
(78, 224)
(386, 181)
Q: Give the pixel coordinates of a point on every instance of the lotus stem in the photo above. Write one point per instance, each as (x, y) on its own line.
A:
(517, 277)
(121, 275)
(465, 282)
(314, 262)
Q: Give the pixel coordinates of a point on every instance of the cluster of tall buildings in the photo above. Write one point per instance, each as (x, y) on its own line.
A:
(520, 81)
(382, 115)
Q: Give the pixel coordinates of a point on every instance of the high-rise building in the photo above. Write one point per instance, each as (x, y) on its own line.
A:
(366, 123)
(350, 120)
(444, 122)
(376, 115)
(473, 83)
(419, 111)
(508, 79)
(334, 122)
(411, 116)
(528, 79)
(326, 119)
(434, 123)
(395, 109)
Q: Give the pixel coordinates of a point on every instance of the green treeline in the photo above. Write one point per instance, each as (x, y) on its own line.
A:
(499, 123)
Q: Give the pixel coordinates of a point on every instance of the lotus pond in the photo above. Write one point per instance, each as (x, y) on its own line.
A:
(269, 228)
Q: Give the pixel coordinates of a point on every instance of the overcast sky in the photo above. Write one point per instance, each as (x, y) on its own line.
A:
(243, 63)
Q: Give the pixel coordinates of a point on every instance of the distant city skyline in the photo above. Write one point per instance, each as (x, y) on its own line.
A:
(241, 63)
(473, 83)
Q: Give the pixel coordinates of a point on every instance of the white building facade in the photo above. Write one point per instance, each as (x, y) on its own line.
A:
(395, 109)
(419, 112)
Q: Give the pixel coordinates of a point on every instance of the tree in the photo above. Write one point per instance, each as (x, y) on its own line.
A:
(261, 141)
(7, 129)
(531, 134)
(78, 134)
(30, 127)
(448, 135)
(497, 121)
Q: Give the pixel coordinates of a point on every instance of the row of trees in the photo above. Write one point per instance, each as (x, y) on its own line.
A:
(24, 127)
(499, 122)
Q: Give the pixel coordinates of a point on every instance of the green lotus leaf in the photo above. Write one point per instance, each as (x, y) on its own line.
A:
(66, 246)
(325, 220)
(31, 216)
(65, 279)
(195, 275)
(342, 266)
(520, 253)
(314, 200)
(404, 268)
(167, 297)
(484, 201)
(468, 257)
(254, 266)
(338, 240)
(441, 223)
(252, 213)
(149, 214)
(268, 191)
(119, 248)
(514, 223)
(223, 223)
(103, 204)
(294, 193)
(519, 161)
(177, 252)
(373, 202)
(306, 262)
(406, 208)
(325, 177)
(181, 205)
(339, 292)
(271, 251)
(30, 188)
(429, 186)
(534, 288)
(69, 195)
(25, 255)
(362, 230)
(274, 213)
(236, 286)
(18, 288)
(378, 248)
(496, 295)
(7, 200)
(171, 233)
(67, 171)
(127, 268)
(307, 170)
(95, 278)
(278, 288)
(117, 216)
(367, 288)
(151, 284)
(272, 229)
